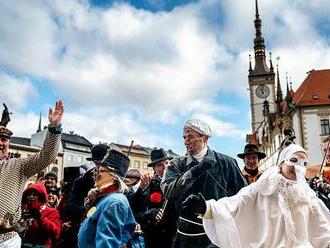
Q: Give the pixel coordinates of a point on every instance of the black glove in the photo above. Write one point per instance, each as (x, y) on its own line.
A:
(195, 204)
(204, 165)
(35, 213)
(151, 214)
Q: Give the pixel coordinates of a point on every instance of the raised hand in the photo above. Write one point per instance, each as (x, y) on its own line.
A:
(195, 204)
(55, 116)
(145, 181)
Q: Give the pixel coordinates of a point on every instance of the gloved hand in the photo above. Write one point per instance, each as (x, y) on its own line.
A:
(152, 214)
(204, 165)
(195, 204)
(35, 213)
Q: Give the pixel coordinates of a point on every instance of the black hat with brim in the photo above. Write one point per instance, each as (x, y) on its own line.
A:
(158, 155)
(251, 149)
(98, 152)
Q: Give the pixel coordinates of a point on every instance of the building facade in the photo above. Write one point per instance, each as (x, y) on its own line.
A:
(306, 110)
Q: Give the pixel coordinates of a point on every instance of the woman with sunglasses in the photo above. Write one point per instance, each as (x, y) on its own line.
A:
(109, 219)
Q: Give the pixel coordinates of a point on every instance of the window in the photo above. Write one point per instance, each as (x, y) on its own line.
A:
(70, 157)
(79, 158)
(325, 127)
(137, 164)
(145, 165)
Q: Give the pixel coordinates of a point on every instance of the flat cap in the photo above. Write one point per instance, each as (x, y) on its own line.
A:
(199, 126)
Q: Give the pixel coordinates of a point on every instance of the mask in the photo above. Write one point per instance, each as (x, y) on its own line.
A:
(296, 161)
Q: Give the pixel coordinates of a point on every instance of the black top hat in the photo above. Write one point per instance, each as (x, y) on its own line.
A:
(251, 149)
(98, 152)
(117, 162)
(157, 156)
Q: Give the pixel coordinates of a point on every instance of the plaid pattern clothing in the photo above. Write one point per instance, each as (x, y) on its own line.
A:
(14, 174)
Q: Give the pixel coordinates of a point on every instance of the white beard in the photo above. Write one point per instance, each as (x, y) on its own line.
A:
(293, 192)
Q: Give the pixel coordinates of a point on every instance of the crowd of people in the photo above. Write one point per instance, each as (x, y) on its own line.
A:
(201, 199)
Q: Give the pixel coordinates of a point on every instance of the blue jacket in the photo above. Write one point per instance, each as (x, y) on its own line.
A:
(110, 225)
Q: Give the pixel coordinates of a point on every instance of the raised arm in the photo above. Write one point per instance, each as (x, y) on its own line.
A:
(48, 153)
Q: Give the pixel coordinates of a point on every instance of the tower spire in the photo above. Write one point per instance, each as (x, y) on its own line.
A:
(271, 62)
(39, 126)
(279, 94)
(259, 46)
(257, 9)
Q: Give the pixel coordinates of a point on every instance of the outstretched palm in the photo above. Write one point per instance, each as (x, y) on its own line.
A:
(55, 116)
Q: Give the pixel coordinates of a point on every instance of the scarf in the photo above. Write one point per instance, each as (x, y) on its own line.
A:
(95, 193)
(199, 156)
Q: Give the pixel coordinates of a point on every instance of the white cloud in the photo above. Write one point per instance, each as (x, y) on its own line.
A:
(220, 128)
(16, 92)
(157, 67)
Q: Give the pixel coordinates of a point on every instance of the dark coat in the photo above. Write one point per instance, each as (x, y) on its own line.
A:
(156, 234)
(223, 179)
(79, 191)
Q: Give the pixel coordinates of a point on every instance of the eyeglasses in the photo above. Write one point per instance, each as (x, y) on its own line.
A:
(100, 170)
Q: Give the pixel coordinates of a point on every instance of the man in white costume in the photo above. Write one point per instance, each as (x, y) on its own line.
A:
(279, 210)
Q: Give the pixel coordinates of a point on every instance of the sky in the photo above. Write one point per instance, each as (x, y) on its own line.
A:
(137, 70)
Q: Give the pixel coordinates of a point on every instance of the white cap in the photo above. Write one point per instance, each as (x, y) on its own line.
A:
(199, 126)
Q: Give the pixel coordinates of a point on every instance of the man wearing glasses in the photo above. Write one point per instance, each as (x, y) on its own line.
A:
(201, 170)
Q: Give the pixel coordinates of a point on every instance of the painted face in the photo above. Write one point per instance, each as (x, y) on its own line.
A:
(4, 145)
(193, 141)
(159, 168)
(251, 161)
(102, 176)
(294, 166)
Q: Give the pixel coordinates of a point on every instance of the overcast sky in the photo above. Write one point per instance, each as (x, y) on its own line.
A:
(139, 69)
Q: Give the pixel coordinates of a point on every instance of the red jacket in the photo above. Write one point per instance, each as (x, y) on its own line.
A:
(46, 229)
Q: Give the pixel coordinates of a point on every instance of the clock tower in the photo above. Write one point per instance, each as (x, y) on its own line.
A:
(261, 78)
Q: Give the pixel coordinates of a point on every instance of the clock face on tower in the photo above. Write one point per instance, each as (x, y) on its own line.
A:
(262, 91)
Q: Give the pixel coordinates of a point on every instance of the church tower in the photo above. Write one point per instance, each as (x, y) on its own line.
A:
(261, 77)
